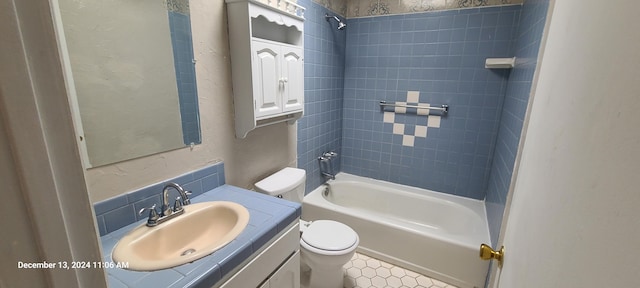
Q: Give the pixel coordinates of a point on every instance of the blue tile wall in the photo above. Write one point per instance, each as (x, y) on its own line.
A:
(441, 55)
(115, 213)
(180, 28)
(529, 35)
(320, 129)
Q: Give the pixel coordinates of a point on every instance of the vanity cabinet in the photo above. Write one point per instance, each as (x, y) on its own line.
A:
(267, 62)
(287, 276)
(276, 266)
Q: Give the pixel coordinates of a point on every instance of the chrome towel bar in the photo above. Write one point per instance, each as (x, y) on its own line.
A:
(444, 108)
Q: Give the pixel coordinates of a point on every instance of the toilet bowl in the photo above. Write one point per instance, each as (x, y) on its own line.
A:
(325, 245)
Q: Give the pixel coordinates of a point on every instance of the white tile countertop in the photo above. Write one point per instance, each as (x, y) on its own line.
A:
(268, 217)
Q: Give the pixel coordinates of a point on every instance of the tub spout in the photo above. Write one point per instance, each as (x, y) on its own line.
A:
(325, 167)
(329, 176)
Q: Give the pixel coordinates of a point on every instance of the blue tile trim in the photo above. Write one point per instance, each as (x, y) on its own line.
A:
(115, 213)
(115, 283)
(101, 227)
(162, 278)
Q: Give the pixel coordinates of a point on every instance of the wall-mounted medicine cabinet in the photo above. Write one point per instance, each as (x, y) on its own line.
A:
(267, 62)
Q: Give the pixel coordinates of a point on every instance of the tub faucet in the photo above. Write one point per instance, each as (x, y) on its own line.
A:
(326, 164)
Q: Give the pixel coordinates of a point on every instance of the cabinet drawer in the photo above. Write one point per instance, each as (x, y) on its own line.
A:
(288, 275)
(263, 265)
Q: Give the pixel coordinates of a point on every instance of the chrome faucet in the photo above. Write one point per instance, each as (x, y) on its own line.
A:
(166, 211)
(327, 164)
(184, 199)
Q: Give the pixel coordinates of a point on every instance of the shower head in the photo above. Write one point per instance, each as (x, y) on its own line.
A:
(341, 25)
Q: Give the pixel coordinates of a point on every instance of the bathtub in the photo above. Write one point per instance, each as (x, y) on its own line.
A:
(432, 233)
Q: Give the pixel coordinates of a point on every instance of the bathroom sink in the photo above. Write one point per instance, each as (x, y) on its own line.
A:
(201, 230)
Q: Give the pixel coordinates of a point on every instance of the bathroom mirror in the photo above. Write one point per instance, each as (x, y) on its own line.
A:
(132, 71)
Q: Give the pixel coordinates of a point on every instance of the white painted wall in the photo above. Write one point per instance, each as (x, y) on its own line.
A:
(124, 77)
(575, 212)
(246, 161)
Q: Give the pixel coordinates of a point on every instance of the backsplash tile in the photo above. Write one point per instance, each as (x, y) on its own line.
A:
(142, 193)
(119, 217)
(115, 213)
(147, 202)
(102, 229)
(109, 204)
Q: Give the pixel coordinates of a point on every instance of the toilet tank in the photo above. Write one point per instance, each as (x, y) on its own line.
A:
(287, 183)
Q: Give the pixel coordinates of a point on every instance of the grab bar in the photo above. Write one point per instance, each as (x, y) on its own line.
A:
(444, 107)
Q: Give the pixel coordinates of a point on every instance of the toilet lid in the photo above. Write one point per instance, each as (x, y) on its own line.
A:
(329, 235)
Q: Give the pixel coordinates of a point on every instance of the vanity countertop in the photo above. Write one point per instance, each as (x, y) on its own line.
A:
(268, 217)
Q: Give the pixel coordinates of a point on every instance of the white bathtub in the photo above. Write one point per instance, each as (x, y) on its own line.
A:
(432, 233)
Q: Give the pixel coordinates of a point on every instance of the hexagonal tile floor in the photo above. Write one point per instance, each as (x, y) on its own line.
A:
(363, 271)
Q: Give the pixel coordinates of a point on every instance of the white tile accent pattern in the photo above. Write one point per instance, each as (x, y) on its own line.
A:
(421, 131)
(363, 271)
(408, 140)
(433, 121)
(398, 128)
(401, 110)
(423, 112)
(389, 117)
(413, 96)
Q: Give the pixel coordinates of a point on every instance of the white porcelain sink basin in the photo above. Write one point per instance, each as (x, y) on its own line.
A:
(200, 231)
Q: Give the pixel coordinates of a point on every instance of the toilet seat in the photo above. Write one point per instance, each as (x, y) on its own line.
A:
(329, 238)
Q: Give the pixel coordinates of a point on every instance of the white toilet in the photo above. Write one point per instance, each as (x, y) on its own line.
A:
(325, 245)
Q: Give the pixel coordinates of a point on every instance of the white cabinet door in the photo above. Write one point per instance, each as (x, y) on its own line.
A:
(293, 77)
(288, 276)
(266, 80)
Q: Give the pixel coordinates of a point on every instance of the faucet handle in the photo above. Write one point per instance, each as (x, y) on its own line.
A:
(177, 205)
(186, 200)
(153, 214)
(147, 208)
(329, 154)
